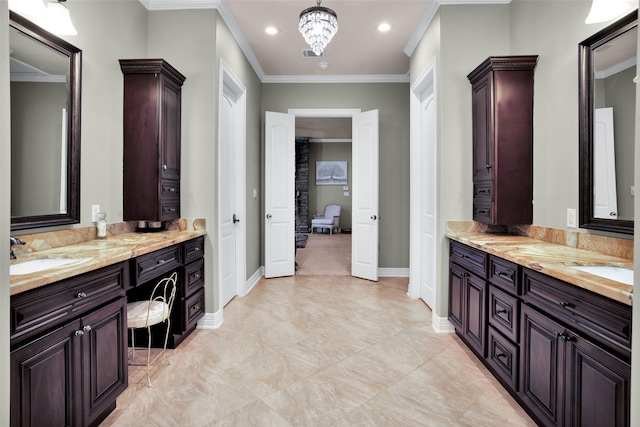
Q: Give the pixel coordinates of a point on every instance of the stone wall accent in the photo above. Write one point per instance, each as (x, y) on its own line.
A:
(302, 185)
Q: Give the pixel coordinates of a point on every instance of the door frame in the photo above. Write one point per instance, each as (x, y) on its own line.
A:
(228, 78)
(325, 112)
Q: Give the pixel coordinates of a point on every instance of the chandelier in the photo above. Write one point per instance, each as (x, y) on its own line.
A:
(318, 25)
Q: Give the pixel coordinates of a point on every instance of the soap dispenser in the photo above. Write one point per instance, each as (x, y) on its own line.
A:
(101, 225)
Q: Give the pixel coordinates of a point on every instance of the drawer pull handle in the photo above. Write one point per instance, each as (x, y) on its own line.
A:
(565, 337)
(196, 249)
(482, 211)
(81, 295)
(483, 191)
(164, 167)
(161, 261)
(79, 333)
(196, 276)
(504, 275)
(172, 189)
(501, 355)
(87, 328)
(488, 166)
(196, 308)
(501, 310)
(172, 209)
(564, 304)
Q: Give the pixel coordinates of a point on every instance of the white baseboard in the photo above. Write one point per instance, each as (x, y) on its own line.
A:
(253, 280)
(393, 272)
(211, 320)
(441, 324)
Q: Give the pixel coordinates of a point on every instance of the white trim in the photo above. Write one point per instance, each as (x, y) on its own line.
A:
(361, 78)
(614, 69)
(393, 272)
(180, 4)
(329, 140)
(211, 320)
(253, 281)
(430, 12)
(441, 324)
(228, 79)
(323, 112)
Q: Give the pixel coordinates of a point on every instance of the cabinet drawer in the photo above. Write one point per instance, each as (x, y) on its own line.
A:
(193, 309)
(170, 209)
(504, 274)
(504, 312)
(35, 311)
(482, 191)
(602, 318)
(471, 259)
(193, 249)
(152, 265)
(169, 189)
(482, 212)
(503, 356)
(193, 277)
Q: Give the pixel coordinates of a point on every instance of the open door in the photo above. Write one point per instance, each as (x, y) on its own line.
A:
(279, 222)
(364, 246)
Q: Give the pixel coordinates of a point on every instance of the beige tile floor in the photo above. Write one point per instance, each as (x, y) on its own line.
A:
(320, 351)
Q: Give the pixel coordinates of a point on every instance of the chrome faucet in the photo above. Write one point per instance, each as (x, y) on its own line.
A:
(14, 241)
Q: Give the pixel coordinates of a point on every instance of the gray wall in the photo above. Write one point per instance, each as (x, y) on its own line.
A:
(392, 99)
(321, 195)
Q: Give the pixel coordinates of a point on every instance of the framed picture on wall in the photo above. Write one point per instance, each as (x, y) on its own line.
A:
(331, 173)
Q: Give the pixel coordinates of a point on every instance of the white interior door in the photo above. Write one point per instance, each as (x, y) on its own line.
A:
(428, 209)
(231, 186)
(364, 246)
(604, 177)
(279, 223)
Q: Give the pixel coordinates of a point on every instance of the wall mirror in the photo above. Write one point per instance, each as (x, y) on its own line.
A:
(607, 96)
(45, 127)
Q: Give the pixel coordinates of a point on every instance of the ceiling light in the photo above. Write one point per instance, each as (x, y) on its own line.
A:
(57, 19)
(384, 27)
(318, 25)
(271, 30)
(323, 65)
(606, 10)
(27, 8)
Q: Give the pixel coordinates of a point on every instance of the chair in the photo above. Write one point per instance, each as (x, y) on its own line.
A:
(145, 314)
(330, 219)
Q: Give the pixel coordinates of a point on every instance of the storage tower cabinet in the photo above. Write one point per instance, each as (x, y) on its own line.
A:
(502, 104)
(151, 122)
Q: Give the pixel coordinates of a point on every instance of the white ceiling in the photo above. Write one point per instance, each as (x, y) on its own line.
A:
(358, 52)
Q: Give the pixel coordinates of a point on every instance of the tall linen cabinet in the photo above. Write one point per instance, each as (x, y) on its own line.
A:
(151, 122)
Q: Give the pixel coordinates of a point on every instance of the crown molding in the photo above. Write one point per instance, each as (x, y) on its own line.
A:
(363, 78)
(430, 12)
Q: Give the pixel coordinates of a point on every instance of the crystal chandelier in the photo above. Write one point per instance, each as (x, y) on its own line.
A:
(318, 25)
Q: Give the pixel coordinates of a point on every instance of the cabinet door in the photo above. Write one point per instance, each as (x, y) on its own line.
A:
(598, 390)
(475, 317)
(104, 350)
(170, 131)
(542, 353)
(457, 277)
(45, 380)
(482, 128)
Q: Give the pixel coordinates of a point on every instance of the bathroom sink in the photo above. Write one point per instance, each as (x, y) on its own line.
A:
(619, 274)
(41, 264)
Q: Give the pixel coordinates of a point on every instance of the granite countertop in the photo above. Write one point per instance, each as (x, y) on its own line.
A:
(550, 258)
(101, 253)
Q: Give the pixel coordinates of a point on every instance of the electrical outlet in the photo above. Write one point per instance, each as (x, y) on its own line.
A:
(94, 212)
(571, 218)
(633, 190)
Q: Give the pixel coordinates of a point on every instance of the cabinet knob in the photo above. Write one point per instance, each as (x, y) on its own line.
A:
(87, 328)
(196, 276)
(488, 166)
(564, 304)
(171, 189)
(164, 167)
(79, 333)
(161, 261)
(81, 295)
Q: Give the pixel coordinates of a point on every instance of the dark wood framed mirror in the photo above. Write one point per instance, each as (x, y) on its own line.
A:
(607, 69)
(45, 127)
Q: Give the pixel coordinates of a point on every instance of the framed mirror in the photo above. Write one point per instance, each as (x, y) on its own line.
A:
(45, 127)
(607, 93)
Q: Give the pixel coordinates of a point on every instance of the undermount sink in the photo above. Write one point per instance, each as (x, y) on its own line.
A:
(41, 264)
(619, 274)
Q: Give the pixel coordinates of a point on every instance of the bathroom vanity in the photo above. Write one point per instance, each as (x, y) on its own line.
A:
(557, 338)
(68, 324)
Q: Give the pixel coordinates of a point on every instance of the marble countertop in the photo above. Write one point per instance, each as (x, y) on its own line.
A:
(552, 259)
(101, 253)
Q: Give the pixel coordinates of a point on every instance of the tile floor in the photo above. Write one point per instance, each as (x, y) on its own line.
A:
(320, 351)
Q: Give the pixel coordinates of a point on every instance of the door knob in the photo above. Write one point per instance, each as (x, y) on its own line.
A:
(373, 217)
(235, 219)
(268, 216)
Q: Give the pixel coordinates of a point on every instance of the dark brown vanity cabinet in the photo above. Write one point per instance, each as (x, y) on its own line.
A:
(563, 352)
(468, 295)
(152, 115)
(68, 350)
(502, 104)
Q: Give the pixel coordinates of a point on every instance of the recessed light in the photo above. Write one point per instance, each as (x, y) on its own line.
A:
(324, 65)
(384, 27)
(271, 30)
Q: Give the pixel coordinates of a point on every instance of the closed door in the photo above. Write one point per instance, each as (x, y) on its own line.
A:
(227, 208)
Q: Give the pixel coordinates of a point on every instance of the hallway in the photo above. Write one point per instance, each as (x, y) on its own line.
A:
(320, 351)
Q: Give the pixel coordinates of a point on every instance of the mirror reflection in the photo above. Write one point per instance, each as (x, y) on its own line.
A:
(607, 62)
(45, 118)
